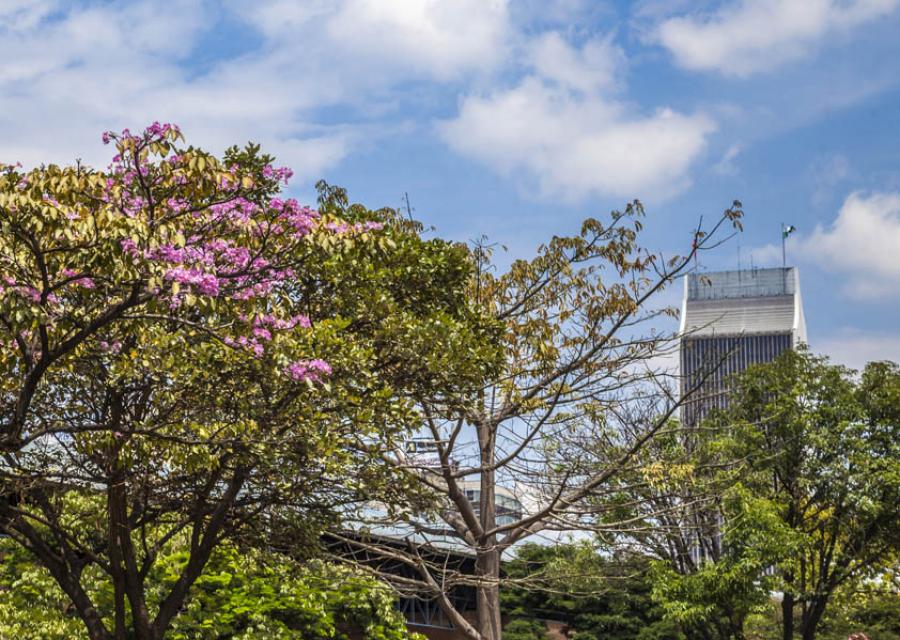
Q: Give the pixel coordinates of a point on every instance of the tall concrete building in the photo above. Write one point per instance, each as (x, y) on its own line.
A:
(730, 320)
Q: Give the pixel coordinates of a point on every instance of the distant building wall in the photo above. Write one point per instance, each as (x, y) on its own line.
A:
(709, 363)
(729, 321)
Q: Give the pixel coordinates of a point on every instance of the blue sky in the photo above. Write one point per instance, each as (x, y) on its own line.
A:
(517, 119)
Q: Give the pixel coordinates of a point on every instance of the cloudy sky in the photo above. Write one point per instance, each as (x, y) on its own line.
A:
(518, 118)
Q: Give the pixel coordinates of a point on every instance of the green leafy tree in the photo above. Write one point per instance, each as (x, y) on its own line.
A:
(191, 356)
(716, 599)
(576, 396)
(872, 606)
(710, 541)
(597, 597)
(791, 489)
(819, 450)
(245, 594)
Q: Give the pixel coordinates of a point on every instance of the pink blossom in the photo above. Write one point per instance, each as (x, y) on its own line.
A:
(280, 324)
(262, 332)
(311, 370)
(359, 227)
(251, 344)
(205, 283)
(82, 281)
(112, 347)
(129, 246)
(282, 174)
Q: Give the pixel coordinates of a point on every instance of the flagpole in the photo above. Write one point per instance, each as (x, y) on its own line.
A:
(783, 253)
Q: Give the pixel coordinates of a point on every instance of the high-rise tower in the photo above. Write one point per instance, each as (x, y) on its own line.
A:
(730, 320)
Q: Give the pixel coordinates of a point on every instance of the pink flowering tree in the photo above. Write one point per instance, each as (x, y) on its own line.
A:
(189, 357)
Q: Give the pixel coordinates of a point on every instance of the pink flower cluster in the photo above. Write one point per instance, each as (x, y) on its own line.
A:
(211, 263)
(261, 331)
(299, 218)
(263, 325)
(359, 227)
(252, 344)
(111, 347)
(234, 246)
(155, 130)
(311, 370)
(282, 174)
(206, 284)
(26, 291)
(82, 281)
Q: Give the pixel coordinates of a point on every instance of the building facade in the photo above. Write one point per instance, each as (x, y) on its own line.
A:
(730, 320)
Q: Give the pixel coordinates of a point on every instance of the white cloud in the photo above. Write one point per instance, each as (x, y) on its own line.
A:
(71, 71)
(385, 38)
(862, 244)
(767, 255)
(751, 36)
(16, 15)
(594, 67)
(563, 129)
(725, 166)
(434, 36)
(827, 173)
(855, 349)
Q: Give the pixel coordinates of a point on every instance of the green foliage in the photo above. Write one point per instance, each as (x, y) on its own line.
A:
(597, 598)
(820, 450)
(31, 604)
(795, 488)
(194, 358)
(805, 464)
(718, 597)
(873, 608)
(245, 595)
(254, 596)
(525, 629)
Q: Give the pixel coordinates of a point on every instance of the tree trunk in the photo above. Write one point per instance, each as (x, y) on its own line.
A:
(117, 572)
(488, 595)
(787, 616)
(811, 621)
(737, 625)
(487, 562)
(83, 606)
(123, 564)
(93, 623)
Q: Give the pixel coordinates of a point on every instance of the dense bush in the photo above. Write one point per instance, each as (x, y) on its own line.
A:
(246, 595)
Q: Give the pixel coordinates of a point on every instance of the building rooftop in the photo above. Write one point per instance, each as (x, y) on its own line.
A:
(731, 303)
(751, 283)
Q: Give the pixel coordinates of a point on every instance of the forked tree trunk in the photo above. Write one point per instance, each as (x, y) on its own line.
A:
(811, 621)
